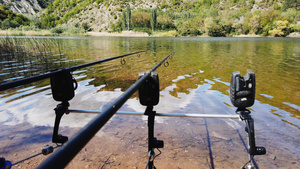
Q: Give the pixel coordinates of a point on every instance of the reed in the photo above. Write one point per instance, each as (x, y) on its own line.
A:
(24, 57)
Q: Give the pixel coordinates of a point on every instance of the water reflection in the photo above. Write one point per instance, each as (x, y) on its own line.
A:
(196, 81)
(197, 61)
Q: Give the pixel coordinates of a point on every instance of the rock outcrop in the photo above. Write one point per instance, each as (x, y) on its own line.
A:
(22, 6)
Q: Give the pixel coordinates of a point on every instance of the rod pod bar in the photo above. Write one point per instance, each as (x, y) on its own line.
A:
(16, 83)
(66, 153)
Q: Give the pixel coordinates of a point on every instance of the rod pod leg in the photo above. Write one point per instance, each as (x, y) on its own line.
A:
(151, 116)
(152, 141)
(60, 110)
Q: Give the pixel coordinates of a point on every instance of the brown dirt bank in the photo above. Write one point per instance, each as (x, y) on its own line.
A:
(122, 143)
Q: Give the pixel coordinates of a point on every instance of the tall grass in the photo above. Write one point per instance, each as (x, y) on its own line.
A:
(24, 57)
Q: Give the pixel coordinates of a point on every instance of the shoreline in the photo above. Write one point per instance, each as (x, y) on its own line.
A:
(122, 34)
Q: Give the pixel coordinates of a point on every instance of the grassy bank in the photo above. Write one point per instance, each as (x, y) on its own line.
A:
(32, 31)
(25, 33)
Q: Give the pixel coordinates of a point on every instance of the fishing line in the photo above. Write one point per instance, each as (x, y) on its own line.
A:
(158, 153)
(20, 82)
(148, 162)
(152, 156)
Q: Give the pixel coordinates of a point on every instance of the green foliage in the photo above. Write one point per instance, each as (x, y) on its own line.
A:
(291, 15)
(42, 3)
(165, 22)
(10, 19)
(117, 27)
(48, 21)
(58, 30)
(188, 18)
(85, 26)
(282, 28)
(143, 29)
(189, 28)
(5, 24)
(59, 12)
(140, 19)
(128, 16)
(65, 30)
(290, 4)
(212, 28)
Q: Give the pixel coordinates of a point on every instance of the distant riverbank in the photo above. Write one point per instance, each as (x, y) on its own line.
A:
(44, 32)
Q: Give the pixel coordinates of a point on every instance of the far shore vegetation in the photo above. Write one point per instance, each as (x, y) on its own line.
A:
(196, 18)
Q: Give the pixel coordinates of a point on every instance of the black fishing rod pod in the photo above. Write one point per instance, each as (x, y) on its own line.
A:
(149, 96)
(63, 86)
(242, 95)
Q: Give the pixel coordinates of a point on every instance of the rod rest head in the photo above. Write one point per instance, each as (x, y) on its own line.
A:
(149, 90)
(242, 89)
(62, 86)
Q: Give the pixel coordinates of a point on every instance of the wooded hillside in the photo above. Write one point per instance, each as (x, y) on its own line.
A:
(184, 17)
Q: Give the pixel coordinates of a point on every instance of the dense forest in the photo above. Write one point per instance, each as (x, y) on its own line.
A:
(179, 17)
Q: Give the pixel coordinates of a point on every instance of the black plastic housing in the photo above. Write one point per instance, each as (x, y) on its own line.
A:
(62, 86)
(242, 89)
(149, 90)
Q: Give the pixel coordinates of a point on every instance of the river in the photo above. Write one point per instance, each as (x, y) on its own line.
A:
(197, 80)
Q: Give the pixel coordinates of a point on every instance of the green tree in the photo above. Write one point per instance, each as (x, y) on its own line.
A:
(11, 19)
(5, 24)
(48, 21)
(290, 4)
(128, 14)
(124, 23)
(282, 28)
(85, 26)
(153, 19)
(140, 19)
(164, 22)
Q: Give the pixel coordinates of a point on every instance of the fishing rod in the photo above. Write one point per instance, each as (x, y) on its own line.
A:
(242, 95)
(20, 82)
(67, 152)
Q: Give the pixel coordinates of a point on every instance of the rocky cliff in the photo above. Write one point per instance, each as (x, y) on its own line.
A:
(24, 6)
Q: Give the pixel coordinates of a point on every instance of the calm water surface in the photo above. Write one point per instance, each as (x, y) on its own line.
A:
(196, 81)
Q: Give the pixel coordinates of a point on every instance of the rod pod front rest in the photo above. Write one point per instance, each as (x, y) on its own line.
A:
(62, 86)
(242, 89)
(149, 90)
